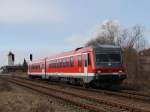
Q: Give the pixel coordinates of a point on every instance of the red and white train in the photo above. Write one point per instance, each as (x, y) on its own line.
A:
(89, 65)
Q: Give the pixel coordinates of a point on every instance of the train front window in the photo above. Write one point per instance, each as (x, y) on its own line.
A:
(108, 57)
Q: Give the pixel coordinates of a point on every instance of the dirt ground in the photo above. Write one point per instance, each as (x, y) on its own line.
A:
(14, 98)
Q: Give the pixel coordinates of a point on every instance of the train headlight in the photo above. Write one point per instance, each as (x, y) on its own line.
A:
(99, 71)
(120, 71)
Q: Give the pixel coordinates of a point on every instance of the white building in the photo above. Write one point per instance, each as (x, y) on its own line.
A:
(11, 59)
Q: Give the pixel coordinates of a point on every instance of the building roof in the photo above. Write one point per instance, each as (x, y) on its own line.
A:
(10, 53)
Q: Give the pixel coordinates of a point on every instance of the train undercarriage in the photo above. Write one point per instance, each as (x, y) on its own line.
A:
(97, 81)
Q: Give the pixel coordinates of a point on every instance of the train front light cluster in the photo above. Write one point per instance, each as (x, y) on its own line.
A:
(99, 71)
(120, 71)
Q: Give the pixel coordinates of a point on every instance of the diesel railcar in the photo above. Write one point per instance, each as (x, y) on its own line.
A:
(98, 66)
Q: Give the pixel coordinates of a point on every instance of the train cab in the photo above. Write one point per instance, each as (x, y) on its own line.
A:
(108, 62)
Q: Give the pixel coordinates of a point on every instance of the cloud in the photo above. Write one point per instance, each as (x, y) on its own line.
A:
(25, 11)
(80, 40)
(76, 40)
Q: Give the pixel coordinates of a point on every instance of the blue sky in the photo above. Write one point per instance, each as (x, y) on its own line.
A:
(46, 27)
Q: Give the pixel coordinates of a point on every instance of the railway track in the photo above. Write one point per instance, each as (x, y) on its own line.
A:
(135, 95)
(84, 101)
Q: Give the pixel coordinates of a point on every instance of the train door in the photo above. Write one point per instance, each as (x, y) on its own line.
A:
(44, 69)
(86, 66)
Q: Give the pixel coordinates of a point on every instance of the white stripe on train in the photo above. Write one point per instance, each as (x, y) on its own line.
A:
(62, 74)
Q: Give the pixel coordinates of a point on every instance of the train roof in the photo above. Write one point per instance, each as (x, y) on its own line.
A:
(73, 52)
(105, 46)
(76, 51)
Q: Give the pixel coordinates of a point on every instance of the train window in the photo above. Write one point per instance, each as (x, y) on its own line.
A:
(60, 63)
(42, 66)
(54, 64)
(85, 60)
(89, 59)
(63, 62)
(50, 65)
(79, 60)
(57, 63)
(71, 61)
(68, 62)
(109, 57)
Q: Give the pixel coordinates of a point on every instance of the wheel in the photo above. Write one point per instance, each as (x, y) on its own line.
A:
(30, 77)
(86, 85)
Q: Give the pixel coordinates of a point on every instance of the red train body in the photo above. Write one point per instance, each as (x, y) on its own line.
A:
(89, 65)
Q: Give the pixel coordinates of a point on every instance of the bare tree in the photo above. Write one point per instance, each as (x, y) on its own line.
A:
(113, 33)
(136, 35)
(105, 34)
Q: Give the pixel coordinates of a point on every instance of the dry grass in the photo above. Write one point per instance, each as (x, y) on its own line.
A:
(23, 102)
(14, 98)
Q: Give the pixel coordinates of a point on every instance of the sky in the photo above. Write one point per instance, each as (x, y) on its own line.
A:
(47, 27)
